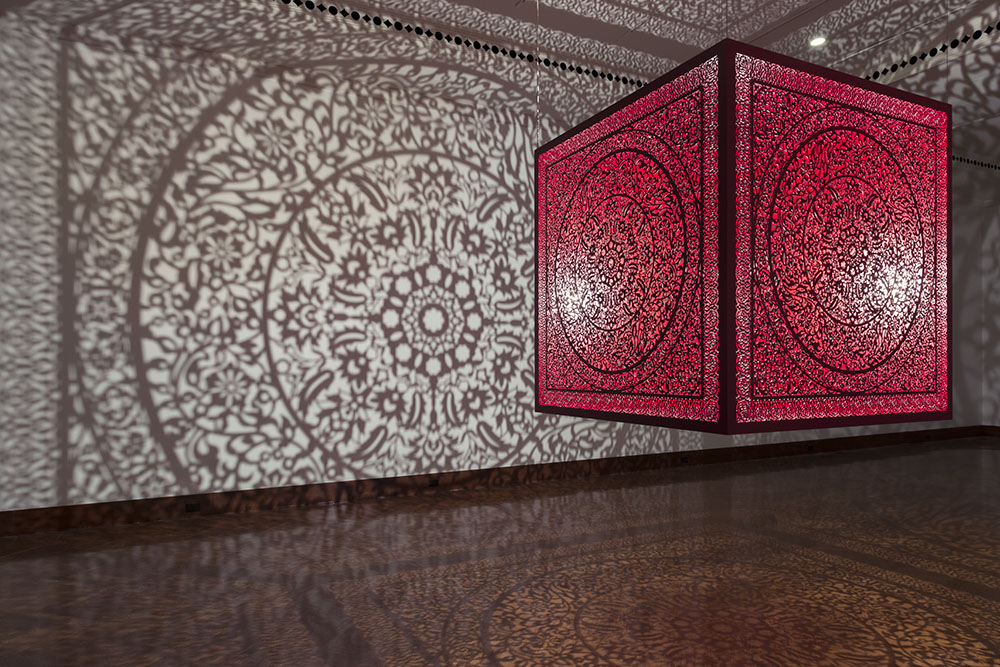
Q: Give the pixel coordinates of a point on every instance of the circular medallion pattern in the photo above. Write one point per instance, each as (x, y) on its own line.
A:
(614, 273)
(693, 611)
(626, 246)
(323, 304)
(843, 250)
(244, 230)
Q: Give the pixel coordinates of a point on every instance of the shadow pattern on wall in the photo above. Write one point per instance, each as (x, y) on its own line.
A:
(244, 247)
(288, 251)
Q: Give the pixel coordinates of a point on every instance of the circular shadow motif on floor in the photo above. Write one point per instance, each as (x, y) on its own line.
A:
(842, 250)
(684, 611)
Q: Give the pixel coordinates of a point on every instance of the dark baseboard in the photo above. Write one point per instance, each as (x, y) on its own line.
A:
(65, 517)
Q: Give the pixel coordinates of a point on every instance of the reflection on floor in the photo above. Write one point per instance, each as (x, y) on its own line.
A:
(884, 556)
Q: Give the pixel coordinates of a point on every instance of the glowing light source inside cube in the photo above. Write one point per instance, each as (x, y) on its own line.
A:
(748, 243)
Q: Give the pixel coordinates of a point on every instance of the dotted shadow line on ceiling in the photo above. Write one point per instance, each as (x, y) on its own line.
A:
(933, 53)
(936, 51)
(975, 163)
(458, 40)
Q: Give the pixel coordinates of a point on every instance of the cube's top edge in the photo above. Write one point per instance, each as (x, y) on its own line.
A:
(733, 47)
(727, 50)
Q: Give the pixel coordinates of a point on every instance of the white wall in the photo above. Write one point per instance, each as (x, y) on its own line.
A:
(248, 246)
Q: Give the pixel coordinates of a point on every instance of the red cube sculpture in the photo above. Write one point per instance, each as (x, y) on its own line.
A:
(748, 243)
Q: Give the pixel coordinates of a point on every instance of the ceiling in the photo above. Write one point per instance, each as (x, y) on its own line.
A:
(646, 38)
(642, 39)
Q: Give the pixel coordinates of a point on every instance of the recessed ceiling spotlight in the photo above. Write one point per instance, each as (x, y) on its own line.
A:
(819, 40)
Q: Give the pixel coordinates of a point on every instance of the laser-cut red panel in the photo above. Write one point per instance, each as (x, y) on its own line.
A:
(841, 242)
(627, 257)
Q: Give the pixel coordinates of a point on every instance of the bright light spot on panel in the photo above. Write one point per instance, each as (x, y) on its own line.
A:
(817, 41)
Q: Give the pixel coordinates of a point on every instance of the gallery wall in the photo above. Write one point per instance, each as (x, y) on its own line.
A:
(244, 245)
(991, 314)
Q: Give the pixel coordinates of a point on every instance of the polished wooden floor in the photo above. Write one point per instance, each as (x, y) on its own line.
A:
(884, 556)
